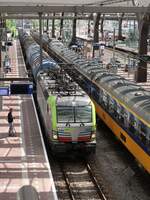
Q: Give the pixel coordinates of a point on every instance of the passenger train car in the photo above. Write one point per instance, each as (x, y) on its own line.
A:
(122, 105)
(67, 112)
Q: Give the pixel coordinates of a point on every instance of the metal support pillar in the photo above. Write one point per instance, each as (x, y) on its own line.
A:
(114, 43)
(43, 25)
(22, 24)
(141, 73)
(89, 28)
(61, 24)
(0, 50)
(41, 43)
(102, 26)
(4, 23)
(53, 26)
(120, 27)
(134, 27)
(73, 40)
(47, 25)
(96, 30)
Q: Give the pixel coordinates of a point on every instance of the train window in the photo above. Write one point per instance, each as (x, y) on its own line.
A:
(116, 110)
(126, 118)
(148, 133)
(111, 105)
(143, 138)
(143, 128)
(83, 114)
(132, 124)
(121, 114)
(148, 146)
(65, 114)
(148, 139)
(142, 132)
(105, 99)
(101, 96)
(95, 94)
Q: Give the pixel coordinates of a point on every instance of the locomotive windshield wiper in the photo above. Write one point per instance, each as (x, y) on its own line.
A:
(68, 123)
(81, 123)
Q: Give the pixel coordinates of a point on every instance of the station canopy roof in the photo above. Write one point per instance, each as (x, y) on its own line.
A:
(78, 6)
(75, 2)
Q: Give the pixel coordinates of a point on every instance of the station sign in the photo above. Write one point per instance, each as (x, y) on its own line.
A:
(4, 91)
(21, 88)
(96, 44)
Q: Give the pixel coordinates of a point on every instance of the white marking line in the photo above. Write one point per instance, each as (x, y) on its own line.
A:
(9, 161)
(45, 154)
(23, 150)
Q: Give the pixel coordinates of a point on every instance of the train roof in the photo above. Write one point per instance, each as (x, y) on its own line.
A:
(67, 93)
(74, 101)
(131, 95)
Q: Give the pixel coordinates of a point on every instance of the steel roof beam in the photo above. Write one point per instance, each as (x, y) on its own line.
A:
(65, 17)
(73, 9)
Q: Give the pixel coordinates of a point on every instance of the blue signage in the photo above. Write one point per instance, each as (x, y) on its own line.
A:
(96, 44)
(21, 88)
(4, 91)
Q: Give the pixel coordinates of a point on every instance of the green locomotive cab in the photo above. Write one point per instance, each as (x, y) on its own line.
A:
(69, 118)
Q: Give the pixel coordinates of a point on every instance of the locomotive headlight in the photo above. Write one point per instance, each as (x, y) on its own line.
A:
(55, 137)
(93, 136)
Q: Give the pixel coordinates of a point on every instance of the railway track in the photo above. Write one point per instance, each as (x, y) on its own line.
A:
(80, 181)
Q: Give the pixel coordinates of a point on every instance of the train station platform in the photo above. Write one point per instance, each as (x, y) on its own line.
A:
(130, 74)
(23, 159)
(122, 57)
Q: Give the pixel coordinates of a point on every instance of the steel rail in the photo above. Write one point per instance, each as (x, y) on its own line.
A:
(95, 182)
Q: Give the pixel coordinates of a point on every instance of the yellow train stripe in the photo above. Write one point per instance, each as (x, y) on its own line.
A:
(142, 157)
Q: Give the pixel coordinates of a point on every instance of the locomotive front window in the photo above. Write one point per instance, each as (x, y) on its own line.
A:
(83, 114)
(75, 114)
(65, 114)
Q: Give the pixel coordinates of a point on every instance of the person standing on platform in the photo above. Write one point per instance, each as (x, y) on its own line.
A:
(10, 121)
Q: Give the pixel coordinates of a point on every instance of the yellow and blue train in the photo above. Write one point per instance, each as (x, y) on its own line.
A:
(122, 105)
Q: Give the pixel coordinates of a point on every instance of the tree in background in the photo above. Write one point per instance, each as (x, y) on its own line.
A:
(11, 26)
